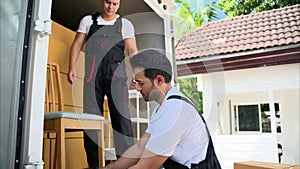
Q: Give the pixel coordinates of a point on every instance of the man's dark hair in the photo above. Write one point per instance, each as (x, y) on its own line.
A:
(154, 62)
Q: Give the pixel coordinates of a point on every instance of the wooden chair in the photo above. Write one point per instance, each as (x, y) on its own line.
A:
(59, 121)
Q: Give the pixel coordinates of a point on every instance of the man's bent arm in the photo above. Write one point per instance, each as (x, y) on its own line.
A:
(77, 45)
(131, 156)
(149, 160)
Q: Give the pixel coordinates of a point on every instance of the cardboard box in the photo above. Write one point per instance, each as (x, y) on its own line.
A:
(263, 165)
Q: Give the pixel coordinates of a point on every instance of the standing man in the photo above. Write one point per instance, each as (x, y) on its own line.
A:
(107, 37)
(177, 136)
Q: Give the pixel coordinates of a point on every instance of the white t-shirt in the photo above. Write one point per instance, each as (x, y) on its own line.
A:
(127, 27)
(177, 131)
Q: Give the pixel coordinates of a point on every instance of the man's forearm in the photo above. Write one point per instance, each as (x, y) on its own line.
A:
(75, 49)
(128, 158)
(122, 162)
(131, 156)
(73, 60)
(74, 54)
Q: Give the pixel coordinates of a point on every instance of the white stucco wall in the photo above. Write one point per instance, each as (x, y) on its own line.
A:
(289, 101)
(254, 86)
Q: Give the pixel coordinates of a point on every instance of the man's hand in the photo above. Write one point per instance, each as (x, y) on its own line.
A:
(71, 75)
(134, 83)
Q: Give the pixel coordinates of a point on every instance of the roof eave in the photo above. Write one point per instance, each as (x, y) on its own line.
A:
(249, 59)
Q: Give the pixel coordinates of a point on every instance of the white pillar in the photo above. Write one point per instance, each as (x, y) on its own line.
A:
(34, 120)
(272, 114)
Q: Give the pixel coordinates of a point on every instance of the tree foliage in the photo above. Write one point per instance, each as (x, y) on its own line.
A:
(188, 86)
(186, 18)
(243, 7)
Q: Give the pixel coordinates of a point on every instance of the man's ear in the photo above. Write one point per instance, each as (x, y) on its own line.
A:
(160, 79)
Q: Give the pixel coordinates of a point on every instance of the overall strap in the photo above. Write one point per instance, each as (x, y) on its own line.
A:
(116, 27)
(94, 17)
(94, 27)
(188, 101)
(118, 21)
(211, 161)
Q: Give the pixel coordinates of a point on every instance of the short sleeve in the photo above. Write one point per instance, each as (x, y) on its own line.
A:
(85, 24)
(127, 29)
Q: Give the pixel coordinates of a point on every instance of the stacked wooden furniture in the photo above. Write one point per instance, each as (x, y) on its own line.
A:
(59, 121)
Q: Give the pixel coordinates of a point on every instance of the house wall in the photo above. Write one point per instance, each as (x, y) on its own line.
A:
(235, 99)
(290, 111)
(236, 148)
(255, 86)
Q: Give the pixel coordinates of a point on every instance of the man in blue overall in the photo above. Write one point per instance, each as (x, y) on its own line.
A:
(177, 136)
(107, 37)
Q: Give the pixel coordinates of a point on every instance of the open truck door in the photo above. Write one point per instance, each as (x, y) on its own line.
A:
(25, 30)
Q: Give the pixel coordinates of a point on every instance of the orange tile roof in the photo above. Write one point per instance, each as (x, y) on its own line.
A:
(262, 30)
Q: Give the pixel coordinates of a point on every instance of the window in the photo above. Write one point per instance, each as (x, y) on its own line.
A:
(255, 118)
(266, 119)
(248, 118)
